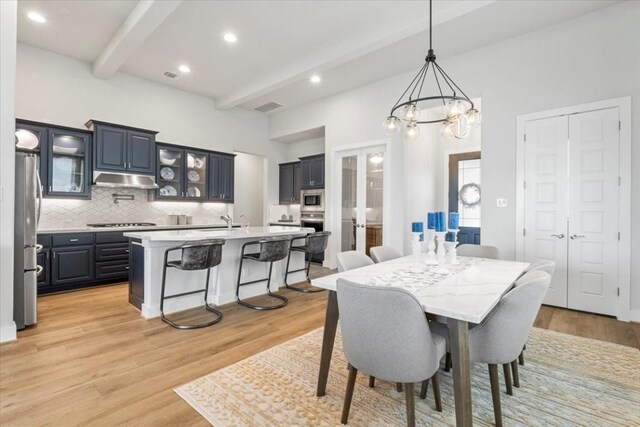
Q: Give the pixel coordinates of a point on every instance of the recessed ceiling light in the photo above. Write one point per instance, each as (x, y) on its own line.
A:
(230, 38)
(184, 69)
(315, 79)
(35, 16)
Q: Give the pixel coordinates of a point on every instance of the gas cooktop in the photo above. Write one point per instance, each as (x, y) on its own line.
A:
(121, 224)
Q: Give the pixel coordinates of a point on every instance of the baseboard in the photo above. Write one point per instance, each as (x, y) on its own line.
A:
(633, 316)
(8, 333)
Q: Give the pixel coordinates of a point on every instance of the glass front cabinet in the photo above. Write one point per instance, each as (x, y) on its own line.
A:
(182, 173)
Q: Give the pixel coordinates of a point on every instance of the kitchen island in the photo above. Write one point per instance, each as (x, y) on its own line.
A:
(147, 256)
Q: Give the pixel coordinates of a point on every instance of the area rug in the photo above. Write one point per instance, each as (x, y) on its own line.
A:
(566, 381)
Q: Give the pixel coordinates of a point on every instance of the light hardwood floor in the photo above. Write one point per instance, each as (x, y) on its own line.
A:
(92, 360)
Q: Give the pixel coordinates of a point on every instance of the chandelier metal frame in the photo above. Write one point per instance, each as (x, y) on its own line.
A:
(418, 82)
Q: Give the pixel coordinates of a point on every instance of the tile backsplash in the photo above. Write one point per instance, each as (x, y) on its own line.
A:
(276, 212)
(63, 213)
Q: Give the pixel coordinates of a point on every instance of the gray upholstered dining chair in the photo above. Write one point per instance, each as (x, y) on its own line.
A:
(477, 251)
(383, 253)
(548, 267)
(352, 259)
(500, 337)
(385, 334)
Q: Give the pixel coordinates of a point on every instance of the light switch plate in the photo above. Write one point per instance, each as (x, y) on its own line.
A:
(501, 203)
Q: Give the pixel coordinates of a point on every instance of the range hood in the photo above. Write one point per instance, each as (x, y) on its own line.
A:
(123, 180)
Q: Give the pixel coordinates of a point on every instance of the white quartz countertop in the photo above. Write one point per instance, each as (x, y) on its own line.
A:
(85, 229)
(236, 233)
(467, 292)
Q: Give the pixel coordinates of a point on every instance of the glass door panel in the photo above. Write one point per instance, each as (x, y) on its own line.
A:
(375, 186)
(349, 206)
(68, 164)
(197, 173)
(170, 173)
(362, 190)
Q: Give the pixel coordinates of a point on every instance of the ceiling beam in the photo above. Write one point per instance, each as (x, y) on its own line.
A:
(332, 57)
(143, 20)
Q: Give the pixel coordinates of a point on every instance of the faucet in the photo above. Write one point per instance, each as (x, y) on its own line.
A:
(228, 220)
(246, 221)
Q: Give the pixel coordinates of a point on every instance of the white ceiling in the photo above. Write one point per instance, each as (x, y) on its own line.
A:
(281, 43)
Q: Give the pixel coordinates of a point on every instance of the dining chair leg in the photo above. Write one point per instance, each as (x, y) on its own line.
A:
(507, 378)
(447, 362)
(521, 357)
(516, 374)
(399, 387)
(372, 381)
(424, 388)
(495, 394)
(411, 404)
(351, 383)
(436, 392)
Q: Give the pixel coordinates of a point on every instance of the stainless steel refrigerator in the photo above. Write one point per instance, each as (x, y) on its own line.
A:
(27, 213)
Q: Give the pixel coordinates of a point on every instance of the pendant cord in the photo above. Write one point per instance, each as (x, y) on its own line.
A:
(430, 24)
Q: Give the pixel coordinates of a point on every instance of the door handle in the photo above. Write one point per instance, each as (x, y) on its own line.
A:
(577, 236)
(39, 269)
(559, 236)
(38, 248)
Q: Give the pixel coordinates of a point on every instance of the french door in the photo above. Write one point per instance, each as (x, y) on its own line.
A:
(572, 206)
(361, 198)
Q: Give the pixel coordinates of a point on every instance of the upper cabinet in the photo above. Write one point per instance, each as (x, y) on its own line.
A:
(221, 177)
(123, 149)
(65, 157)
(187, 174)
(312, 172)
(290, 183)
(183, 173)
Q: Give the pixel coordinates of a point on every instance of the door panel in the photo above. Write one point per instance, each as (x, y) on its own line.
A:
(73, 264)
(545, 218)
(286, 183)
(111, 143)
(141, 152)
(593, 206)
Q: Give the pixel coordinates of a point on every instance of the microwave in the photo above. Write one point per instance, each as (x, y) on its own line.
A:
(312, 200)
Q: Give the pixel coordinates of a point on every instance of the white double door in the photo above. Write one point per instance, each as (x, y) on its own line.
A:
(572, 206)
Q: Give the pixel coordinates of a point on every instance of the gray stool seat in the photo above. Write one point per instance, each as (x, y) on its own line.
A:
(314, 243)
(201, 255)
(271, 250)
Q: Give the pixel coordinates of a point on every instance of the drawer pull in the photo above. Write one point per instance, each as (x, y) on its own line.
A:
(73, 240)
(126, 268)
(126, 250)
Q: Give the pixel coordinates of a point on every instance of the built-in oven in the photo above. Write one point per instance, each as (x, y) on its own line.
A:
(313, 220)
(312, 201)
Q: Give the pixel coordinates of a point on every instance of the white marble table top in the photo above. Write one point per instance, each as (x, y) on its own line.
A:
(204, 234)
(469, 292)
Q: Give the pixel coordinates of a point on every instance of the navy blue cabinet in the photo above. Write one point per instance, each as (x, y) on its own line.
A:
(123, 149)
(312, 172)
(221, 177)
(72, 264)
(290, 183)
(183, 173)
(65, 157)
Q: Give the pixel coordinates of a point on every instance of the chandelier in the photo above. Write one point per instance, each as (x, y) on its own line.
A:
(458, 116)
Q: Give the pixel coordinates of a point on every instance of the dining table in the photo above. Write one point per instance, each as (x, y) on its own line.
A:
(465, 294)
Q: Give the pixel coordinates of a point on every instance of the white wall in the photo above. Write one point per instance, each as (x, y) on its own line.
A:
(7, 165)
(309, 147)
(55, 89)
(590, 58)
(249, 189)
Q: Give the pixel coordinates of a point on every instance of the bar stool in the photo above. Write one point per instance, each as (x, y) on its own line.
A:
(202, 255)
(271, 250)
(315, 243)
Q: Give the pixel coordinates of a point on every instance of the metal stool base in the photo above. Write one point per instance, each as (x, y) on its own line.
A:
(284, 302)
(198, 326)
(305, 269)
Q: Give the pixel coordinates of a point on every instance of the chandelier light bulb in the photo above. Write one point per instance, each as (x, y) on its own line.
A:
(411, 131)
(411, 113)
(446, 129)
(391, 125)
(454, 108)
(474, 117)
(461, 127)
